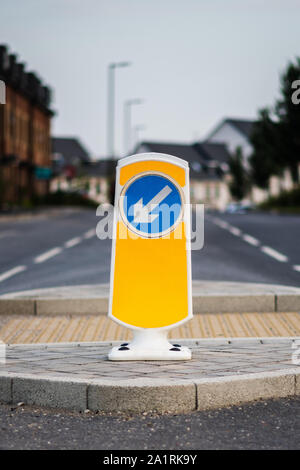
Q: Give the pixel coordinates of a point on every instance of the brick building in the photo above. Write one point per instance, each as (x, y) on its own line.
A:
(25, 148)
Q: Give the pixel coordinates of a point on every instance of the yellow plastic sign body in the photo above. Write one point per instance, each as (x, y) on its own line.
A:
(151, 272)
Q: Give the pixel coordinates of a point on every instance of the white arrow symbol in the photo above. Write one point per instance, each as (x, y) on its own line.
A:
(142, 213)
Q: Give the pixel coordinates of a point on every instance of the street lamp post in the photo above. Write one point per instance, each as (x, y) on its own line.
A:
(137, 130)
(111, 106)
(127, 122)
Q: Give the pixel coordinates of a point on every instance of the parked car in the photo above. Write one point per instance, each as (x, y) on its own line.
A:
(238, 208)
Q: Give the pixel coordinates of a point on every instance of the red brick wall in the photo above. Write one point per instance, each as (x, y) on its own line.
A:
(25, 134)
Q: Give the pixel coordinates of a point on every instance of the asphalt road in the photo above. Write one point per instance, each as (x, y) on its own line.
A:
(62, 249)
(273, 424)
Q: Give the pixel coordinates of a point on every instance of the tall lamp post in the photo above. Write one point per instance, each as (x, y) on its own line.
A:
(111, 105)
(137, 130)
(127, 122)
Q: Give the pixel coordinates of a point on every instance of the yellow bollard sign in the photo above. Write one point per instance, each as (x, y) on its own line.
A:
(150, 286)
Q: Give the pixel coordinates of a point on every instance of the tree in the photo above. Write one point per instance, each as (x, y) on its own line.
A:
(266, 159)
(239, 185)
(276, 140)
(288, 113)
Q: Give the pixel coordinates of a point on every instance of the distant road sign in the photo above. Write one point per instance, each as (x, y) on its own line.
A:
(43, 173)
(151, 205)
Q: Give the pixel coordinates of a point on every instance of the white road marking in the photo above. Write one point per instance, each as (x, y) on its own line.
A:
(44, 256)
(90, 233)
(221, 223)
(12, 272)
(296, 267)
(235, 231)
(249, 239)
(73, 242)
(253, 241)
(274, 254)
(55, 251)
(48, 254)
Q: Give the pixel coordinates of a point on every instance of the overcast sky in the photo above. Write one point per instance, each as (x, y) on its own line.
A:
(193, 61)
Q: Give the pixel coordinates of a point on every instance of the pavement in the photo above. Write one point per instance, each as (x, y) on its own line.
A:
(79, 377)
(263, 425)
(21, 329)
(61, 249)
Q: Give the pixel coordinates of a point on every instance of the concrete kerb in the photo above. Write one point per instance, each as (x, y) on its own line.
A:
(208, 297)
(147, 395)
(184, 392)
(235, 390)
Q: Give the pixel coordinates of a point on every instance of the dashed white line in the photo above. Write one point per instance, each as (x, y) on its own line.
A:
(12, 272)
(274, 254)
(235, 231)
(249, 239)
(90, 233)
(253, 241)
(73, 242)
(55, 251)
(48, 254)
(221, 223)
(44, 256)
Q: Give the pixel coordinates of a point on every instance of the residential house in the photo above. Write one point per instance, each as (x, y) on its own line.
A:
(69, 156)
(207, 163)
(74, 170)
(234, 133)
(69, 159)
(98, 180)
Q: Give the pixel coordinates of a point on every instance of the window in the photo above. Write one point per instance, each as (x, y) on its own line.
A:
(196, 166)
(12, 123)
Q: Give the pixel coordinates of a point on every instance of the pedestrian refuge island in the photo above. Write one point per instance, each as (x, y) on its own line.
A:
(150, 284)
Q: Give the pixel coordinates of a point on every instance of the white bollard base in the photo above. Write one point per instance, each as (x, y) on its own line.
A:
(150, 345)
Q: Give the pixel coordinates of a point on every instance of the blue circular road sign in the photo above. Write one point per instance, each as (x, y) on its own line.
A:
(151, 205)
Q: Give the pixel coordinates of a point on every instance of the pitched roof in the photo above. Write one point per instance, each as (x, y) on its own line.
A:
(70, 148)
(198, 157)
(245, 126)
(185, 151)
(213, 151)
(100, 168)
